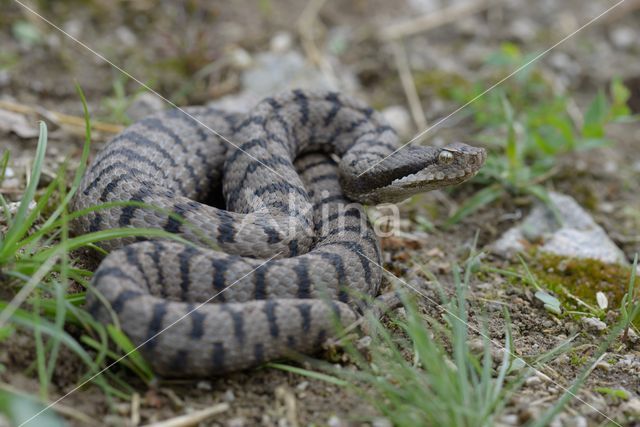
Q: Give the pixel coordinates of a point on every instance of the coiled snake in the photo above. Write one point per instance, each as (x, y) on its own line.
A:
(287, 202)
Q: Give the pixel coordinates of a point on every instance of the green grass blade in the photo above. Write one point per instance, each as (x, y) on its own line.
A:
(475, 202)
(19, 226)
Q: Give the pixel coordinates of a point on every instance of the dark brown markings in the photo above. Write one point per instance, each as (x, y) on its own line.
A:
(325, 177)
(338, 263)
(179, 362)
(253, 120)
(113, 184)
(258, 353)
(155, 124)
(260, 284)
(184, 259)
(122, 165)
(143, 141)
(217, 357)
(293, 248)
(357, 249)
(344, 130)
(219, 268)
(291, 341)
(158, 249)
(282, 187)
(127, 213)
(270, 311)
(321, 338)
(238, 323)
(327, 162)
(96, 222)
(155, 326)
(333, 199)
(124, 297)
(197, 322)
(301, 269)
(272, 162)
(130, 156)
(174, 225)
(243, 149)
(113, 272)
(132, 258)
(305, 313)
(303, 105)
(226, 227)
(336, 105)
(275, 105)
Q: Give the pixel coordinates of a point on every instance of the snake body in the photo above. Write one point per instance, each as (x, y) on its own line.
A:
(290, 256)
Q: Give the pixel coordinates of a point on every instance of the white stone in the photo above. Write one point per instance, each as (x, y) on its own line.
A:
(579, 236)
(623, 37)
(594, 323)
(281, 42)
(399, 118)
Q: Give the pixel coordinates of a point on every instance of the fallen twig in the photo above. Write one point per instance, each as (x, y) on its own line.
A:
(433, 20)
(193, 418)
(60, 119)
(408, 85)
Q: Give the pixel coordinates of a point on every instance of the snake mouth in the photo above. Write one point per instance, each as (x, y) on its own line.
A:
(457, 165)
(431, 168)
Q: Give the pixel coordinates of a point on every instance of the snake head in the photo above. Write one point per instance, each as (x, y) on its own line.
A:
(413, 170)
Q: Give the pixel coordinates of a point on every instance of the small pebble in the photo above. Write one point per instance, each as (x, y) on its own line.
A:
(578, 421)
(623, 37)
(303, 386)
(237, 422)
(229, 396)
(281, 42)
(631, 407)
(399, 119)
(335, 421)
(144, 105)
(594, 323)
(204, 385)
(381, 422)
(241, 59)
(533, 381)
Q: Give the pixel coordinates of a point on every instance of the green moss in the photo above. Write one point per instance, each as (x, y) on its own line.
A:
(576, 358)
(582, 278)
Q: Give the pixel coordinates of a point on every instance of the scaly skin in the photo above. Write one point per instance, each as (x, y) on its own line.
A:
(285, 198)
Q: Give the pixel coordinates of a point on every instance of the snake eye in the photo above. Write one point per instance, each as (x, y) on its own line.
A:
(445, 157)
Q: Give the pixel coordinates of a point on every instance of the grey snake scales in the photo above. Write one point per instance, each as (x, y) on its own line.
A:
(286, 200)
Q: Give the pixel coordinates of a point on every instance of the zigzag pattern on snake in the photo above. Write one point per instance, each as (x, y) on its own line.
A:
(284, 197)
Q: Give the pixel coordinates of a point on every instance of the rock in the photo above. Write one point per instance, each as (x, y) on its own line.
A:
(144, 105)
(381, 422)
(631, 407)
(577, 421)
(204, 385)
(594, 323)
(241, 59)
(274, 72)
(229, 396)
(18, 124)
(399, 118)
(623, 37)
(5, 78)
(577, 237)
(281, 42)
(524, 29)
(237, 422)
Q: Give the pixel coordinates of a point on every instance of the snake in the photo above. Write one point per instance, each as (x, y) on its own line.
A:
(273, 249)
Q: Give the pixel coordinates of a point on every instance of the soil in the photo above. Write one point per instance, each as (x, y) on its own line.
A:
(169, 44)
